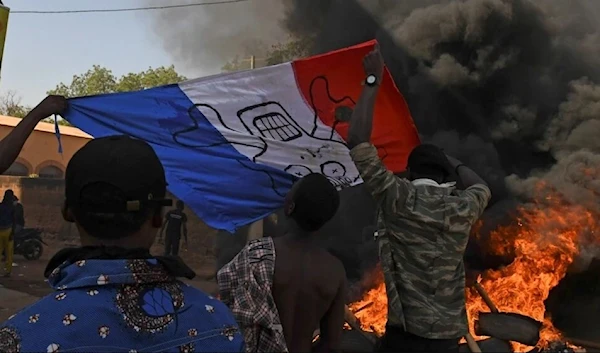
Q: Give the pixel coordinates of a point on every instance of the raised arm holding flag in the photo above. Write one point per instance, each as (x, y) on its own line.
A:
(12, 144)
(424, 222)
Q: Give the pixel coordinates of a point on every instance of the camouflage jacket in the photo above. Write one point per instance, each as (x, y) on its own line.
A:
(423, 233)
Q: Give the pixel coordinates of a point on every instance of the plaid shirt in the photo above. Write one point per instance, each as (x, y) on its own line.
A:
(245, 286)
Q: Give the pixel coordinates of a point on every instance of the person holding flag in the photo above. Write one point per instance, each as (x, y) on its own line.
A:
(424, 222)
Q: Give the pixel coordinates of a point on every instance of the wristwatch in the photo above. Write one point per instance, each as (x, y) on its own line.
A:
(371, 80)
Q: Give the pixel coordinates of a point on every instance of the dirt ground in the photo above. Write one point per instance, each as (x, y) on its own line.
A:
(27, 283)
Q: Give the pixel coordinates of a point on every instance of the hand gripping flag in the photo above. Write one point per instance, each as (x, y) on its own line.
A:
(233, 144)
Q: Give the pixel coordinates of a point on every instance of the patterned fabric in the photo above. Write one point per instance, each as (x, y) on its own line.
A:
(245, 286)
(121, 306)
(423, 233)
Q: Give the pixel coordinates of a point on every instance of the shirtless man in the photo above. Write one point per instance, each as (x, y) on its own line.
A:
(280, 290)
(310, 283)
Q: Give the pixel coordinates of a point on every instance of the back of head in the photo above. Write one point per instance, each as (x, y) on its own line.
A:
(429, 161)
(113, 186)
(312, 202)
(9, 196)
(180, 205)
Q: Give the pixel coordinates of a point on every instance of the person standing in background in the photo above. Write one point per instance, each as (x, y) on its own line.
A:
(19, 215)
(175, 223)
(7, 228)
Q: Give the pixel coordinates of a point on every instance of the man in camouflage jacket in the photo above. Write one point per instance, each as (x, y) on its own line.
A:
(423, 229)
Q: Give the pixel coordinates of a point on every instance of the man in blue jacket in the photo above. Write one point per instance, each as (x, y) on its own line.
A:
(111, 294)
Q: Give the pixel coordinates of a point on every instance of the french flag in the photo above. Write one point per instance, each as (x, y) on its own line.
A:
(233, 144)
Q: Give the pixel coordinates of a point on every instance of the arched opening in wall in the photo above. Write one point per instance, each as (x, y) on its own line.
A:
(51, 172)
(17, 169)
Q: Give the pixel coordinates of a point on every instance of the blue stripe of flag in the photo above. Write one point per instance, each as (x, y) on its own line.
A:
(223, 187)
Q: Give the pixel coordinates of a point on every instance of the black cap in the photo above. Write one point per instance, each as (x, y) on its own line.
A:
(129, 166)
(430, 155)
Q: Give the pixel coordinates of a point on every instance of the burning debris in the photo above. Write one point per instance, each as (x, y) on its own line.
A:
(544, 242)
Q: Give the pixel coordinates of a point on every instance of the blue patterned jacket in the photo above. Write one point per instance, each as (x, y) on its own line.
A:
(121, 306)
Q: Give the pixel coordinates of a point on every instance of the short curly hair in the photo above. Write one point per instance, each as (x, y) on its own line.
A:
(316, 201)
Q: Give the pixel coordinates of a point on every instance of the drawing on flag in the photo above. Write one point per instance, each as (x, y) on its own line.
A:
(267, 133)
(233, 144)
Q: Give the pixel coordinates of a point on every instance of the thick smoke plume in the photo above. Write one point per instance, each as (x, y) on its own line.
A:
(202, 39)
(509, 87)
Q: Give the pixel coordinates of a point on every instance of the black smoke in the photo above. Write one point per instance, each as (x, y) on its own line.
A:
(509, 87)
(484, 79)
(202, 39)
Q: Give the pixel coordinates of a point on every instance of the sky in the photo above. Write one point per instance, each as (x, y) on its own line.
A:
(42, 50)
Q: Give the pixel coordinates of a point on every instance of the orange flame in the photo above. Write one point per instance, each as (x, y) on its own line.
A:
(544, 240)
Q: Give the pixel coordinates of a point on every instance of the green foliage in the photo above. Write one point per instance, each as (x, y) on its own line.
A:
(18, 111)
(285, 52)
(10, 105)
(61, 122)
(234, 65)
(100, 80)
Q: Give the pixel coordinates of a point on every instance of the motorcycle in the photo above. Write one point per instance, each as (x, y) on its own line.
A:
(28, 242)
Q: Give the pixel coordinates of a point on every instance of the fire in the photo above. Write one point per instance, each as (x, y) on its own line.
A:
(544, 241)
(371, 310)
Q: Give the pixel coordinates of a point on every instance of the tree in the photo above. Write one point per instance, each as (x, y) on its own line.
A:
(234, 65)
(10, 105)
(293, 49)
(147, 79)
(99, 80)
(95, 81)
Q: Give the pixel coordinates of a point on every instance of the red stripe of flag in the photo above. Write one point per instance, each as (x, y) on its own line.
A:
(337, 80)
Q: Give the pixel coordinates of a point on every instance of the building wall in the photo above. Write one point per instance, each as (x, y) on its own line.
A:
(41, 148)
